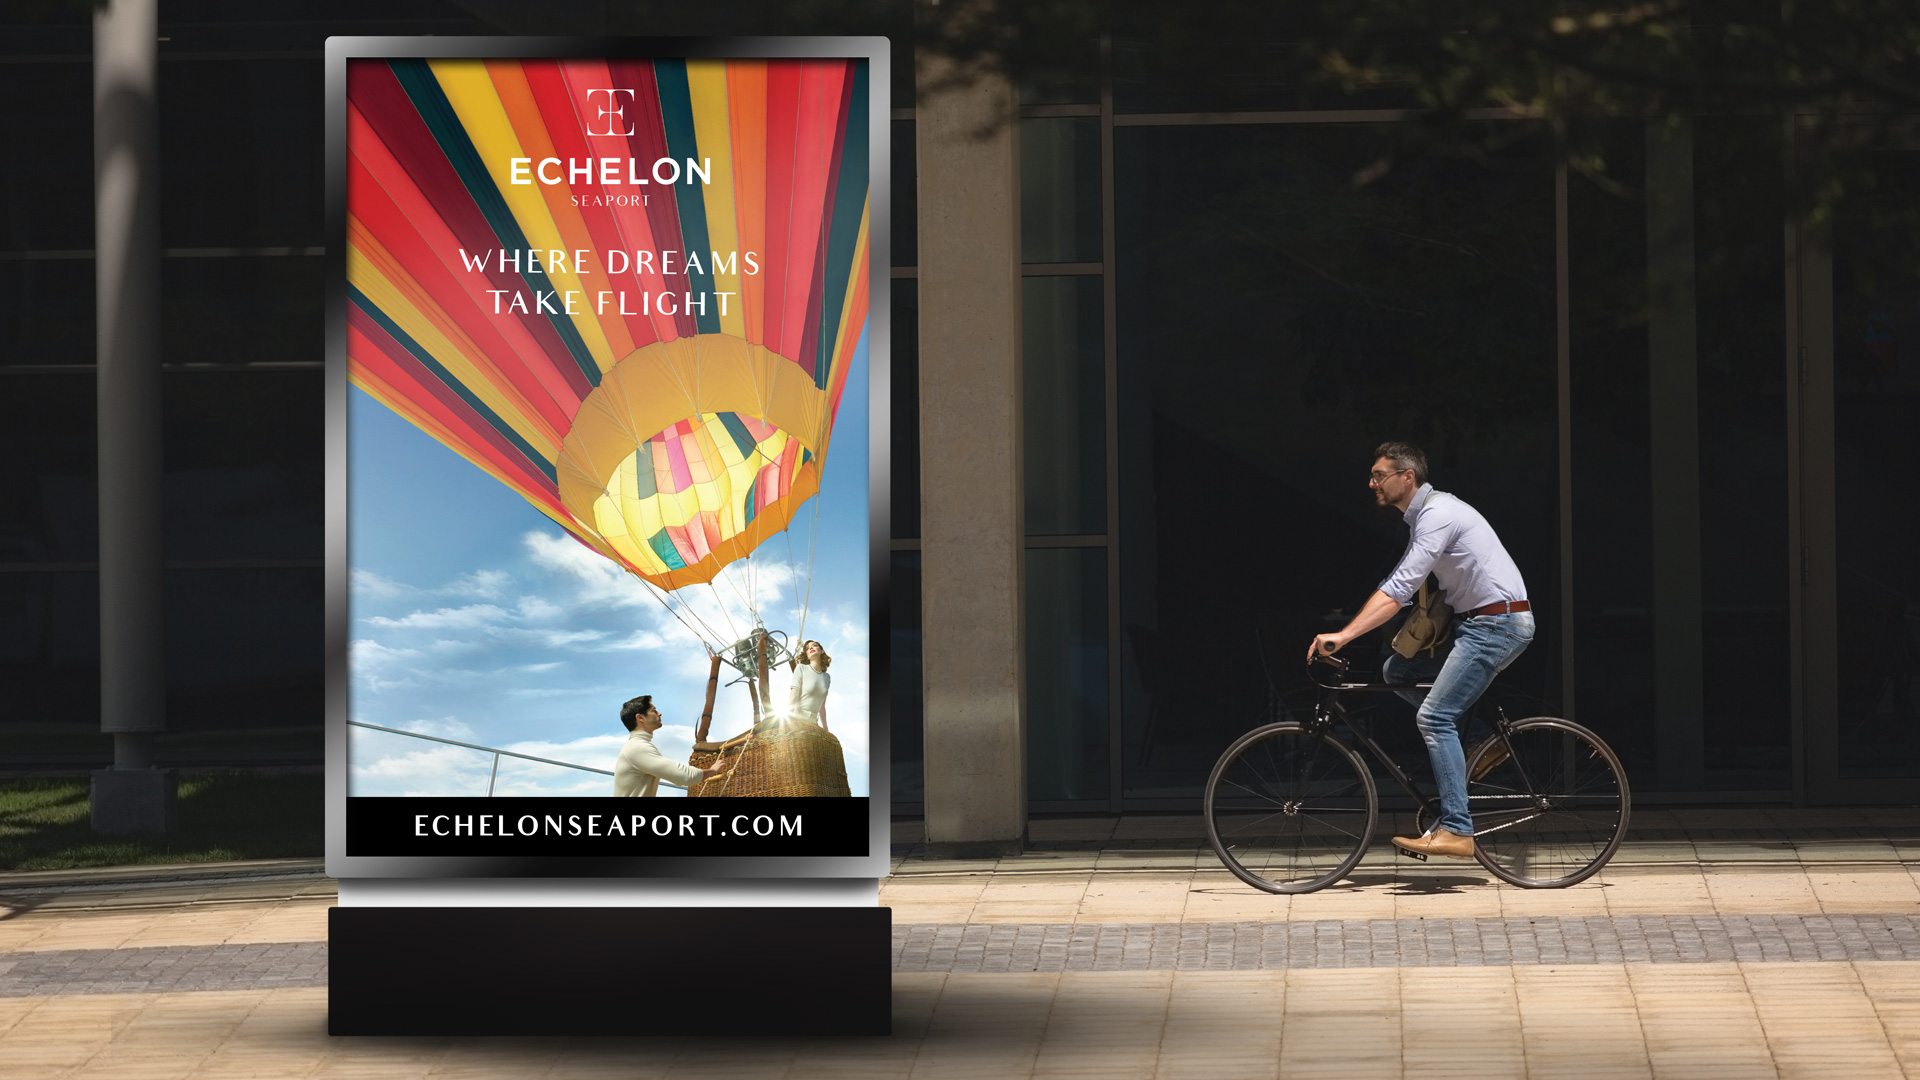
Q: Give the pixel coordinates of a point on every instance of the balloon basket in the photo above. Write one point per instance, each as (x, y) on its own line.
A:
(776, 758)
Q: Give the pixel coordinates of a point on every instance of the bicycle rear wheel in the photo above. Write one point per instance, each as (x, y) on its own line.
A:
(1554, 812)
(1289, 811)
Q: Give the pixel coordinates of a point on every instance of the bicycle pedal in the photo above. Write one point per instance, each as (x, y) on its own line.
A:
(1411, 854)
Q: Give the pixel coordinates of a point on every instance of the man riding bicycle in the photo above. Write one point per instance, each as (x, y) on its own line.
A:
(1493, 625)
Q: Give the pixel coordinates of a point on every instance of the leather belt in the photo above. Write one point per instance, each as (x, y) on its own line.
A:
(1503, 607)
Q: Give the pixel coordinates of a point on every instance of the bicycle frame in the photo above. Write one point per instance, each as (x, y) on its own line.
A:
(1330, 711)
(1291, 804)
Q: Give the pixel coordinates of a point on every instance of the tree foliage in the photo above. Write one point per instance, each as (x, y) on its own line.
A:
(1847, 70)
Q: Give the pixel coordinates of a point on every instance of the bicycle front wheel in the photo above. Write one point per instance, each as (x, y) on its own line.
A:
(1289, 810)
(1552, 812)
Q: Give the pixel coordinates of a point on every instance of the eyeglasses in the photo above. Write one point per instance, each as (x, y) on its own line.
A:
(1380, 477)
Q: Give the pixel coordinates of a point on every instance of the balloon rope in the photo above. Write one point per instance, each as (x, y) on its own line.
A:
(726, 574)
(794, 569)
(711, 635)
(753, 610)
(749, 598)
(709, 638)
(717, 602)
(649, 586)
(813, 539)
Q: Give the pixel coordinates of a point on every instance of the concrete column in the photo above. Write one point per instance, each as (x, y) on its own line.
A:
(972, 528)
(132, 796)
(1673, 376)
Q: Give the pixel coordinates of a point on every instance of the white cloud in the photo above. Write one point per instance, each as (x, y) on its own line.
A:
(532, 778)
(368, 660)
(596, 578)
(447, 727)
(436, 762)
(597, 751)
(548, 693)
(478, 584)
(539, 607)
(639, 639)
(366, 652)
(482, 584)
(372, 586)
(465, 618)
(552, 639)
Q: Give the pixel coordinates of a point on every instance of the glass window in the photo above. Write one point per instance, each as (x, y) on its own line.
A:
(1745, 623)
(245, 476)
(904, 471)
(1876, 351)
(1067, 727)
(1205, 58)
(904, 680)
(1068, 74)
(243, 153)
(906, 196)
(47, 425)
(1060, 190)
(901, 69)
(46, 311)
(50, 648)
(1612, 460)
(1276, 323)
(1065, 389)
(1679, 456)
(244, 649)
(46, 192)
(262, 309)
(47, 29)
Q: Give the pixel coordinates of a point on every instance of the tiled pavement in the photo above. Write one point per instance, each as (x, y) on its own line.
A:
(1361, 943)
(1720, 943)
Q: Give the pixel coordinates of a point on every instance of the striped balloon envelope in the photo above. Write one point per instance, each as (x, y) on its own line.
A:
(630, 290)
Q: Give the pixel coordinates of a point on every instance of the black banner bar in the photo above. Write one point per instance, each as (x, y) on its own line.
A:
(622, 828)
(724, 972)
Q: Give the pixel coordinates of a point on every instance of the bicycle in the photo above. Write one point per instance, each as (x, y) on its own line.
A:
(1290, 806)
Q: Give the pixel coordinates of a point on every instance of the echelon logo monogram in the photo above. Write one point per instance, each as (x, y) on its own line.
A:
(606, 114)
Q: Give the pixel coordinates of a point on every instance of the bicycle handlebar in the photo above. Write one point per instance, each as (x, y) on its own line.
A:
(1339, 664)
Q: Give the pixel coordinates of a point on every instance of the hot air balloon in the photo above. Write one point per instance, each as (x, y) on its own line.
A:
(630, 290)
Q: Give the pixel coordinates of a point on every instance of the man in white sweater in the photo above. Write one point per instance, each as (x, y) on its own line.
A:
(640, 767)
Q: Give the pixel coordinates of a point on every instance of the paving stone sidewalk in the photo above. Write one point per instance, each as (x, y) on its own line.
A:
(164, 969)
(1375, 943)
(1244, 946)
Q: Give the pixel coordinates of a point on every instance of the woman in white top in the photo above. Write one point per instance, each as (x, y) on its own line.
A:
(810, 682)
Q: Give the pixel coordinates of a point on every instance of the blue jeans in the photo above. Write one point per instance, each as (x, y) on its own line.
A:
(1480, 648)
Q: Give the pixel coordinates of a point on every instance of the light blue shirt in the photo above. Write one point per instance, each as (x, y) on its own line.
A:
(1450, 540)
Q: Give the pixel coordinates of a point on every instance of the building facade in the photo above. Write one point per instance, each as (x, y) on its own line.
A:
(1669, 396)
(1146, 336)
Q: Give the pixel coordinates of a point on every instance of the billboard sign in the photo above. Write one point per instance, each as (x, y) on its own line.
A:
(607, 322)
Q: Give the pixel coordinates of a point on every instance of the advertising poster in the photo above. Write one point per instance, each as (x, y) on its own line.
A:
(608, 326)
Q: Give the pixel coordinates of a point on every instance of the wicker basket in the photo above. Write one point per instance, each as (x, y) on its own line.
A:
(775, 758)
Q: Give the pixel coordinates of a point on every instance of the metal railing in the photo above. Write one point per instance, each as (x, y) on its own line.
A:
(497, 753)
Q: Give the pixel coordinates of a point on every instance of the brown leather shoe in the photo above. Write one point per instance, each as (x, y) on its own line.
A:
(1438, 841)
(1497, 752)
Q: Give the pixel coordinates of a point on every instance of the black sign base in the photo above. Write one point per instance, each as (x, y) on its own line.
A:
(609, 971)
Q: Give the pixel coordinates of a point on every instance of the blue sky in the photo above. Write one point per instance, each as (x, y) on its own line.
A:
(474, 617)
